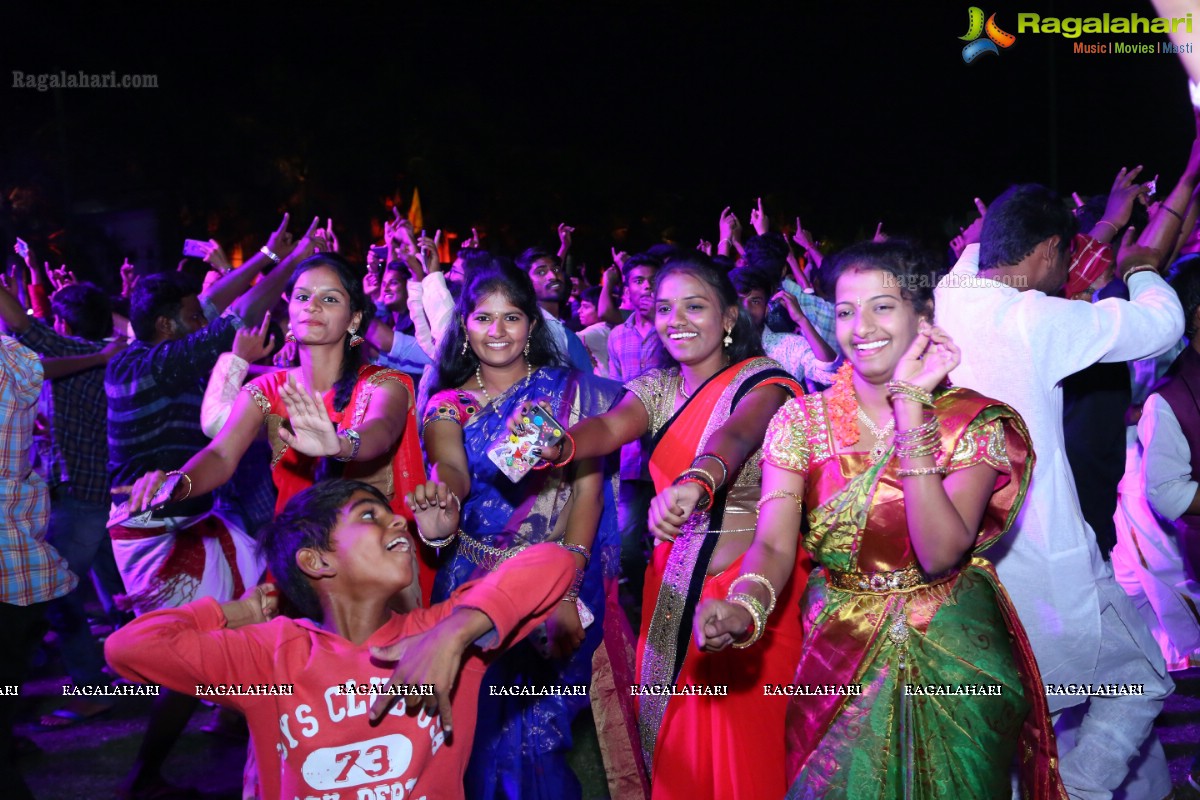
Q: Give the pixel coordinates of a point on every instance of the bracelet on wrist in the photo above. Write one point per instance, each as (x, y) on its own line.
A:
(762, 581)
(580, 549)
(437, 544)
(266, 251)
(757, 613)
(1109, 224)
(1172, 212)
(898, 388)
(1135, 270)
(573, 592)
(706, 499)
(724, 467)
(183, 476)
(355, 442)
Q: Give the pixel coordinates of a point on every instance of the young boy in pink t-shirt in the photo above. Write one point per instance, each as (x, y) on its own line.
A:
(340, 555)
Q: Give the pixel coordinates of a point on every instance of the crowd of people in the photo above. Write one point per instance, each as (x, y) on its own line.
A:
(774, 522)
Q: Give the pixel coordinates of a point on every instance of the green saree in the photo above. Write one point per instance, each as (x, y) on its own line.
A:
(944, 696)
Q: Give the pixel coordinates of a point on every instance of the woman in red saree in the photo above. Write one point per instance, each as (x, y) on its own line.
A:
(936, 692)
(332, 415)
(707, 414)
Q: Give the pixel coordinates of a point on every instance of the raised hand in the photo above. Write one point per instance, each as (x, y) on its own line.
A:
(929, 359)
(311, 241)
(729, 225)
(564, 238)
(280, 241)
(1125, 191)
(791, 304)
(128, 278)
(1133, 254)
(803, 237)
(429, 249)
(60, 277)
(215, 257)
(435, 508)
(758, 219)
(372, 284)
(879, 236)
(705, 247)
(312, 433)
(331, 237)
(619, 257)
(252, 344)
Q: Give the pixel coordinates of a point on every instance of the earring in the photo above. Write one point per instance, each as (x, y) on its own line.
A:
(527, 348)
(355, 339)
(464, 347)
(728, 340)
(291, 337)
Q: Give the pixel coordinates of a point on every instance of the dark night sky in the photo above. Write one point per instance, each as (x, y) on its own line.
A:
(647, 116)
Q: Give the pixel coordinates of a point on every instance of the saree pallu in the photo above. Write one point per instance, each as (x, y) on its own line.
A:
(521, 742)
(727, 747)
(942, 694)
(395, 473)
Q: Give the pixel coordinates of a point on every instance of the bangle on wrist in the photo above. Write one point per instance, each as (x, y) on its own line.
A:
(183, 476)
(1109, 224)
(1137, 269)
(266, 251)
(436, 544)
(355, 442)
(579, 549)
(1172, 212)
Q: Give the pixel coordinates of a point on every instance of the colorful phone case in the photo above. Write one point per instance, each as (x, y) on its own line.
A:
(513, 454)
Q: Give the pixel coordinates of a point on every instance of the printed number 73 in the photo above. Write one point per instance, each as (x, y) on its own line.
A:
(378, 764)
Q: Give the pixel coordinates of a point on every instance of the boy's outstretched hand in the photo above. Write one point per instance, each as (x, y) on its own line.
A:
(433, 657)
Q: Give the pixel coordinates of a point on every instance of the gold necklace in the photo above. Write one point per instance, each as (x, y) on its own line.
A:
(479, 379)
(881, 435)
(684, 393)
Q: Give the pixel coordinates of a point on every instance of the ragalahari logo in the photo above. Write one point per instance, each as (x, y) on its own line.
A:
(976, 28)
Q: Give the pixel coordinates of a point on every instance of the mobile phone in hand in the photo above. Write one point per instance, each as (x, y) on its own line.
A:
(513, 453)
(194, 248)
(22, 248)
(162, 497)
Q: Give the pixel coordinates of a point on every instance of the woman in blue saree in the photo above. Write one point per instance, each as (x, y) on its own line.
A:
(500, 356)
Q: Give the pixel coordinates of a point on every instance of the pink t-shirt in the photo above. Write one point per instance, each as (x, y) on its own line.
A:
(318, 744)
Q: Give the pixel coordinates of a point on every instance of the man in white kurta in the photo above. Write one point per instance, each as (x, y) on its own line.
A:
(1017, 346)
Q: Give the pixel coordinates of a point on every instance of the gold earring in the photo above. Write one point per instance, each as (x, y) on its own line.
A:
(355, 339)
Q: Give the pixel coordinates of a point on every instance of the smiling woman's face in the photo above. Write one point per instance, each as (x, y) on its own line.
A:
(319, 308)
(497, 330)
(689, 318)
(874, 323)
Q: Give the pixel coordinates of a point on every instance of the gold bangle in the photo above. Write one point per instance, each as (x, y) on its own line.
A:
(911, 391)
(777, 494)
(696, 472)
(913, 473)
(1109, 224)
(1137, 269)
(762, 581)
(437, 544)
(182, 476)
(757, 613)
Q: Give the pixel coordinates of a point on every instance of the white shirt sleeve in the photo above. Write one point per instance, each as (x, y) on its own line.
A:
(223, 385)
(416, 312)
(1074, 334)
(439, 306)
(1167, 459)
